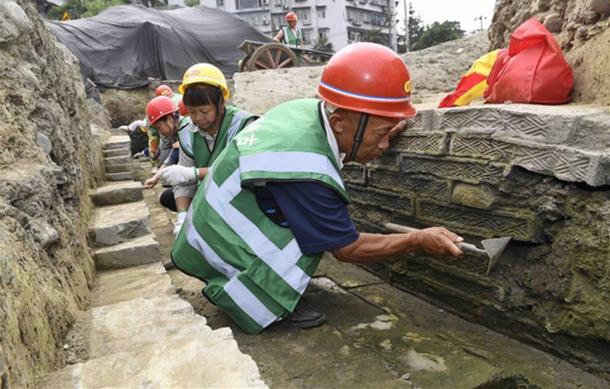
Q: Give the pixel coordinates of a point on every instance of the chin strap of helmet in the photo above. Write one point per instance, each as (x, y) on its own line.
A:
(359, 135)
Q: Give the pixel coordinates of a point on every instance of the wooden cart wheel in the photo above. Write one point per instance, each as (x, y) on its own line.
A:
(272, 56)
(242, 64)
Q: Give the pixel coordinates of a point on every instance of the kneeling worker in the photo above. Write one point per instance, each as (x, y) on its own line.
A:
(274, 201)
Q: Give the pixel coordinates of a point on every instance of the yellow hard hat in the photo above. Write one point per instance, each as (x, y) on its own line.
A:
(205, 73)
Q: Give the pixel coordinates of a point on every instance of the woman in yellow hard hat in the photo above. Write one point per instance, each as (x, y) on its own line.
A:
(211, 127)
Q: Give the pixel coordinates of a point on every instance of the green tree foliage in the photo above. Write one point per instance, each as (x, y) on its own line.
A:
(375, 36)
(83, 8)
(192, 3)
(438, 33)
(416, 28)
(322, 44)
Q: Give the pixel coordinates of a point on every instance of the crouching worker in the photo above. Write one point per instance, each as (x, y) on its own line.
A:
(162, 117)
(274, 201)
(202, 138)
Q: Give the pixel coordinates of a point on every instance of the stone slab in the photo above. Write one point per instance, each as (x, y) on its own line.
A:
(564, 163)
(134, 252)
(354, 173)
(114, 224)
(146, 281)
(117, 142)
(390, 201)
(421, 185)
(118, 160)
(346, 275)
(489, 224)
(111, 169)
(119, 176)
(418, 142)
(117, 193)
(458, 169)
(123, 152)
(156, 343)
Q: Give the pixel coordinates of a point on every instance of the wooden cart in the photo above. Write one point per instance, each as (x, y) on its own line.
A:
(275, 55)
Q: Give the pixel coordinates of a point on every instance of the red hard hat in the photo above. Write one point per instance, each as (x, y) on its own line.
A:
(370, 78)
(291, 17)
(159, 107)
(164, 90)
(182, 108)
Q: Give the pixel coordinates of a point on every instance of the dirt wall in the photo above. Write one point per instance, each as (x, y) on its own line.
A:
(48, 160)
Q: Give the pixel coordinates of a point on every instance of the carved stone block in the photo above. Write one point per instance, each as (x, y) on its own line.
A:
(380, 199)
(482, 223)
(354, 173)
(433, 143)
(465, 170)
(415, 184)
(389, 160)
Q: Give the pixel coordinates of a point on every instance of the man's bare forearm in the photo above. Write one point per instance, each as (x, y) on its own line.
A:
(370, 248)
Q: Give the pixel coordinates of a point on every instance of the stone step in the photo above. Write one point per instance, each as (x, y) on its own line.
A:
(118, 160)
(114, 224)
(157, 342)
(117, 142)
(117, 285)
(117, 193)
(117, 153)
(119, 176)
(134, 252)
(113, 169)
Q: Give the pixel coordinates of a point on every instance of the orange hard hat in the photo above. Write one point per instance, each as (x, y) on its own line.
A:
(291, 17)
(182, 108)
(164, 90)
(159, 107)
(368, 78)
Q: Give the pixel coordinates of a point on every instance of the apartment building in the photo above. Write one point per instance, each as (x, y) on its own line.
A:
(340, 21)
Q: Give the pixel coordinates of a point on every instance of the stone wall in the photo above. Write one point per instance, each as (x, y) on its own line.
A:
(582, 28)
(537, 174)
(48, 160)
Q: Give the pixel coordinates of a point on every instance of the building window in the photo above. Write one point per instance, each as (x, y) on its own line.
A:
(306, 36)
(303, 15)
(245, 4)
(220, 3)
(321, 12)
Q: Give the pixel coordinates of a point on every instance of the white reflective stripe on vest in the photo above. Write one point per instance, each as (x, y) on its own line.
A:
(186, 141)
(197, 242)
(289, 162)
(241, 295)
(283, 262)
(248, 303)
(238, 117)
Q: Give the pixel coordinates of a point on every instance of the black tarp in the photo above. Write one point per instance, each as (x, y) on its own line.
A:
(122, 46)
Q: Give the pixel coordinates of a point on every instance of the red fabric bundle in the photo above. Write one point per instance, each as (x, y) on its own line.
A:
(532, 70)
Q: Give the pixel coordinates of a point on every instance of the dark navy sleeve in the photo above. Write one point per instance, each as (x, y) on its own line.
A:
(315, 213)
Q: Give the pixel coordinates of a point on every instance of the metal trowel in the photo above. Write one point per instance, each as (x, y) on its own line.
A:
(492, 248)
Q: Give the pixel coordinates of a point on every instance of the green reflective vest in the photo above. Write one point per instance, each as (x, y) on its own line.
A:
(292, 38)
(253, 268)
(196, 147)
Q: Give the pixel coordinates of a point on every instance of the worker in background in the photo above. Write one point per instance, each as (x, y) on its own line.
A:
(168, 149)
(211, 125)
(290, 34)
(274, 201)
(162, 115)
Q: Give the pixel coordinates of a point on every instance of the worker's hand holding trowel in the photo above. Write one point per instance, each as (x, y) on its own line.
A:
(438, 241)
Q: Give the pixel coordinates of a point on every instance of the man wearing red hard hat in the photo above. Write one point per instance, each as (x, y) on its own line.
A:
(290, 34)
(274, 201)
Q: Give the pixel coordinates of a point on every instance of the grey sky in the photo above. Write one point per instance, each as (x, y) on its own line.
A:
(464, 11)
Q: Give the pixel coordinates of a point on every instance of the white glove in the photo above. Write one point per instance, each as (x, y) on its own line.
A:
(178, 175)
(179, 221)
